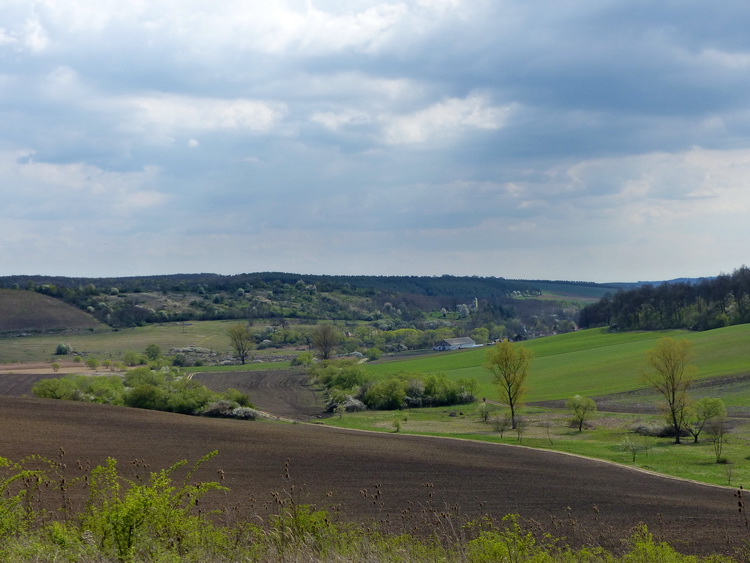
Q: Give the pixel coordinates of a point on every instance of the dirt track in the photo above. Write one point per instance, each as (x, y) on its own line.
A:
(586, 500)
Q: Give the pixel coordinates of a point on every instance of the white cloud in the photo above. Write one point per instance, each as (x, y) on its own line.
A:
(335, 121)
(445, 119)
(181, 113)
(56, 191)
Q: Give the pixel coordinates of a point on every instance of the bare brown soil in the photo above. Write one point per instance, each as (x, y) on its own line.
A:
(30, 311)
(585, 500)
(284, 393)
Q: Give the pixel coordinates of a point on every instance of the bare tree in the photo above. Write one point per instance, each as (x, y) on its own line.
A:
(672, 377)
(717, 433)
(325, 338)
(241, 340)
(510, 365)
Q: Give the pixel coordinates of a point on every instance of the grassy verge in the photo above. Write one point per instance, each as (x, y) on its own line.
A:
(610, 437)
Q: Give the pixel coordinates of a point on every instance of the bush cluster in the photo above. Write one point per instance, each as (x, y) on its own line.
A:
(348, 384)
(164, 389)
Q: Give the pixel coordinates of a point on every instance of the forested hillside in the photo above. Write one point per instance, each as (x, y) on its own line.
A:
(703, 305)
(500, 307)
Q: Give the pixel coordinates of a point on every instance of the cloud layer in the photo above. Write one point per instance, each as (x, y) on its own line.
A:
(589, 141)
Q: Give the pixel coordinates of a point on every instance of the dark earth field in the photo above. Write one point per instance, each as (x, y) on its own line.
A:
(389, 478)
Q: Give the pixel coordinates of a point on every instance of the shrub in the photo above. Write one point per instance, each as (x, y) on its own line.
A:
(241, 399)
(388, 394)
(63, 349)
(374, 354)
(146, 396)
(245, 413)
(303, 359)
(219, 409)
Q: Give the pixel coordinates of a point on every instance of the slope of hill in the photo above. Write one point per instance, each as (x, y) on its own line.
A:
(594, 502)
(26, 311)
(595, 363)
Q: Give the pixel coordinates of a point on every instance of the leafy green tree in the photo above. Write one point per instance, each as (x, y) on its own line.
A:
(241, 340)
(63, 388)
(143, 376)
(92, 363)
(325, 338)
(480, 335)
(374, 354)
(131, 358)
(108, 390)
(672, 376)
(153, 352)
(509, 364)
(146, 396)
(582, 408)
(701, 413)
(388, 394)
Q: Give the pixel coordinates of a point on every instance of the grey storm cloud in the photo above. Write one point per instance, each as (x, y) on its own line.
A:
(580, 140)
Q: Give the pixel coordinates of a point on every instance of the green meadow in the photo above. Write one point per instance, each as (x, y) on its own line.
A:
(602, 365)
(589, 362)
(114, 343)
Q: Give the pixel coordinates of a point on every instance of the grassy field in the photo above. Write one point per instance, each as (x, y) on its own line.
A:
(590, 362)
(113, 344)
(597, 364)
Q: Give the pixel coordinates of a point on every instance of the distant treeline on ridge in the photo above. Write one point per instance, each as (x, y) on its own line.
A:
(704, 305)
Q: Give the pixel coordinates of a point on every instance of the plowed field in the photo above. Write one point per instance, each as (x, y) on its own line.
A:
(585, 500)
(283, 393)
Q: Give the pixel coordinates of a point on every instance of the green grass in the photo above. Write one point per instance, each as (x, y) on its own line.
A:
(589, 362)
(549, 429)
(113, 344)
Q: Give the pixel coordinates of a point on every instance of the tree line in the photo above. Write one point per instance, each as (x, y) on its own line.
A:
(705, 305)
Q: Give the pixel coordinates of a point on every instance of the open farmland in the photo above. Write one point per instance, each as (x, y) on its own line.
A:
(26, 311)
(285, 393)
(592, 362)
(585, 500)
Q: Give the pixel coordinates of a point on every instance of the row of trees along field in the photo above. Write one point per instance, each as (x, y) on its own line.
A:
(387, 303)
(708, 304)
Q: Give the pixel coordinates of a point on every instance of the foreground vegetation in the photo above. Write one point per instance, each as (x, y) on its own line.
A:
(51, 512)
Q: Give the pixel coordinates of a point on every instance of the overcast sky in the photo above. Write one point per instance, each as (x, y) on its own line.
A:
(560, 139)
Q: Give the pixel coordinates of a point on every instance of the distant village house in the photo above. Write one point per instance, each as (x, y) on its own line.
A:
(455, 344)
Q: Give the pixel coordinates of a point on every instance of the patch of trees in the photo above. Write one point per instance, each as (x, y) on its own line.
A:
(164, 390)
(349, 388)
(671, 374)
(707, 304)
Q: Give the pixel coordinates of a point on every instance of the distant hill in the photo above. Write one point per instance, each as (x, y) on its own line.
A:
(528, 308)
(22, 311)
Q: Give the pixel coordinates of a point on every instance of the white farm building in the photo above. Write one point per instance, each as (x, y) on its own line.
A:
(455, 344)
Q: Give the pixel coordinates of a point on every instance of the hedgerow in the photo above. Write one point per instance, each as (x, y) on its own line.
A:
(165, 389)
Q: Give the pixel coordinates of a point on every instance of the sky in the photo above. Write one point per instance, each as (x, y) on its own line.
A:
(538, 139)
